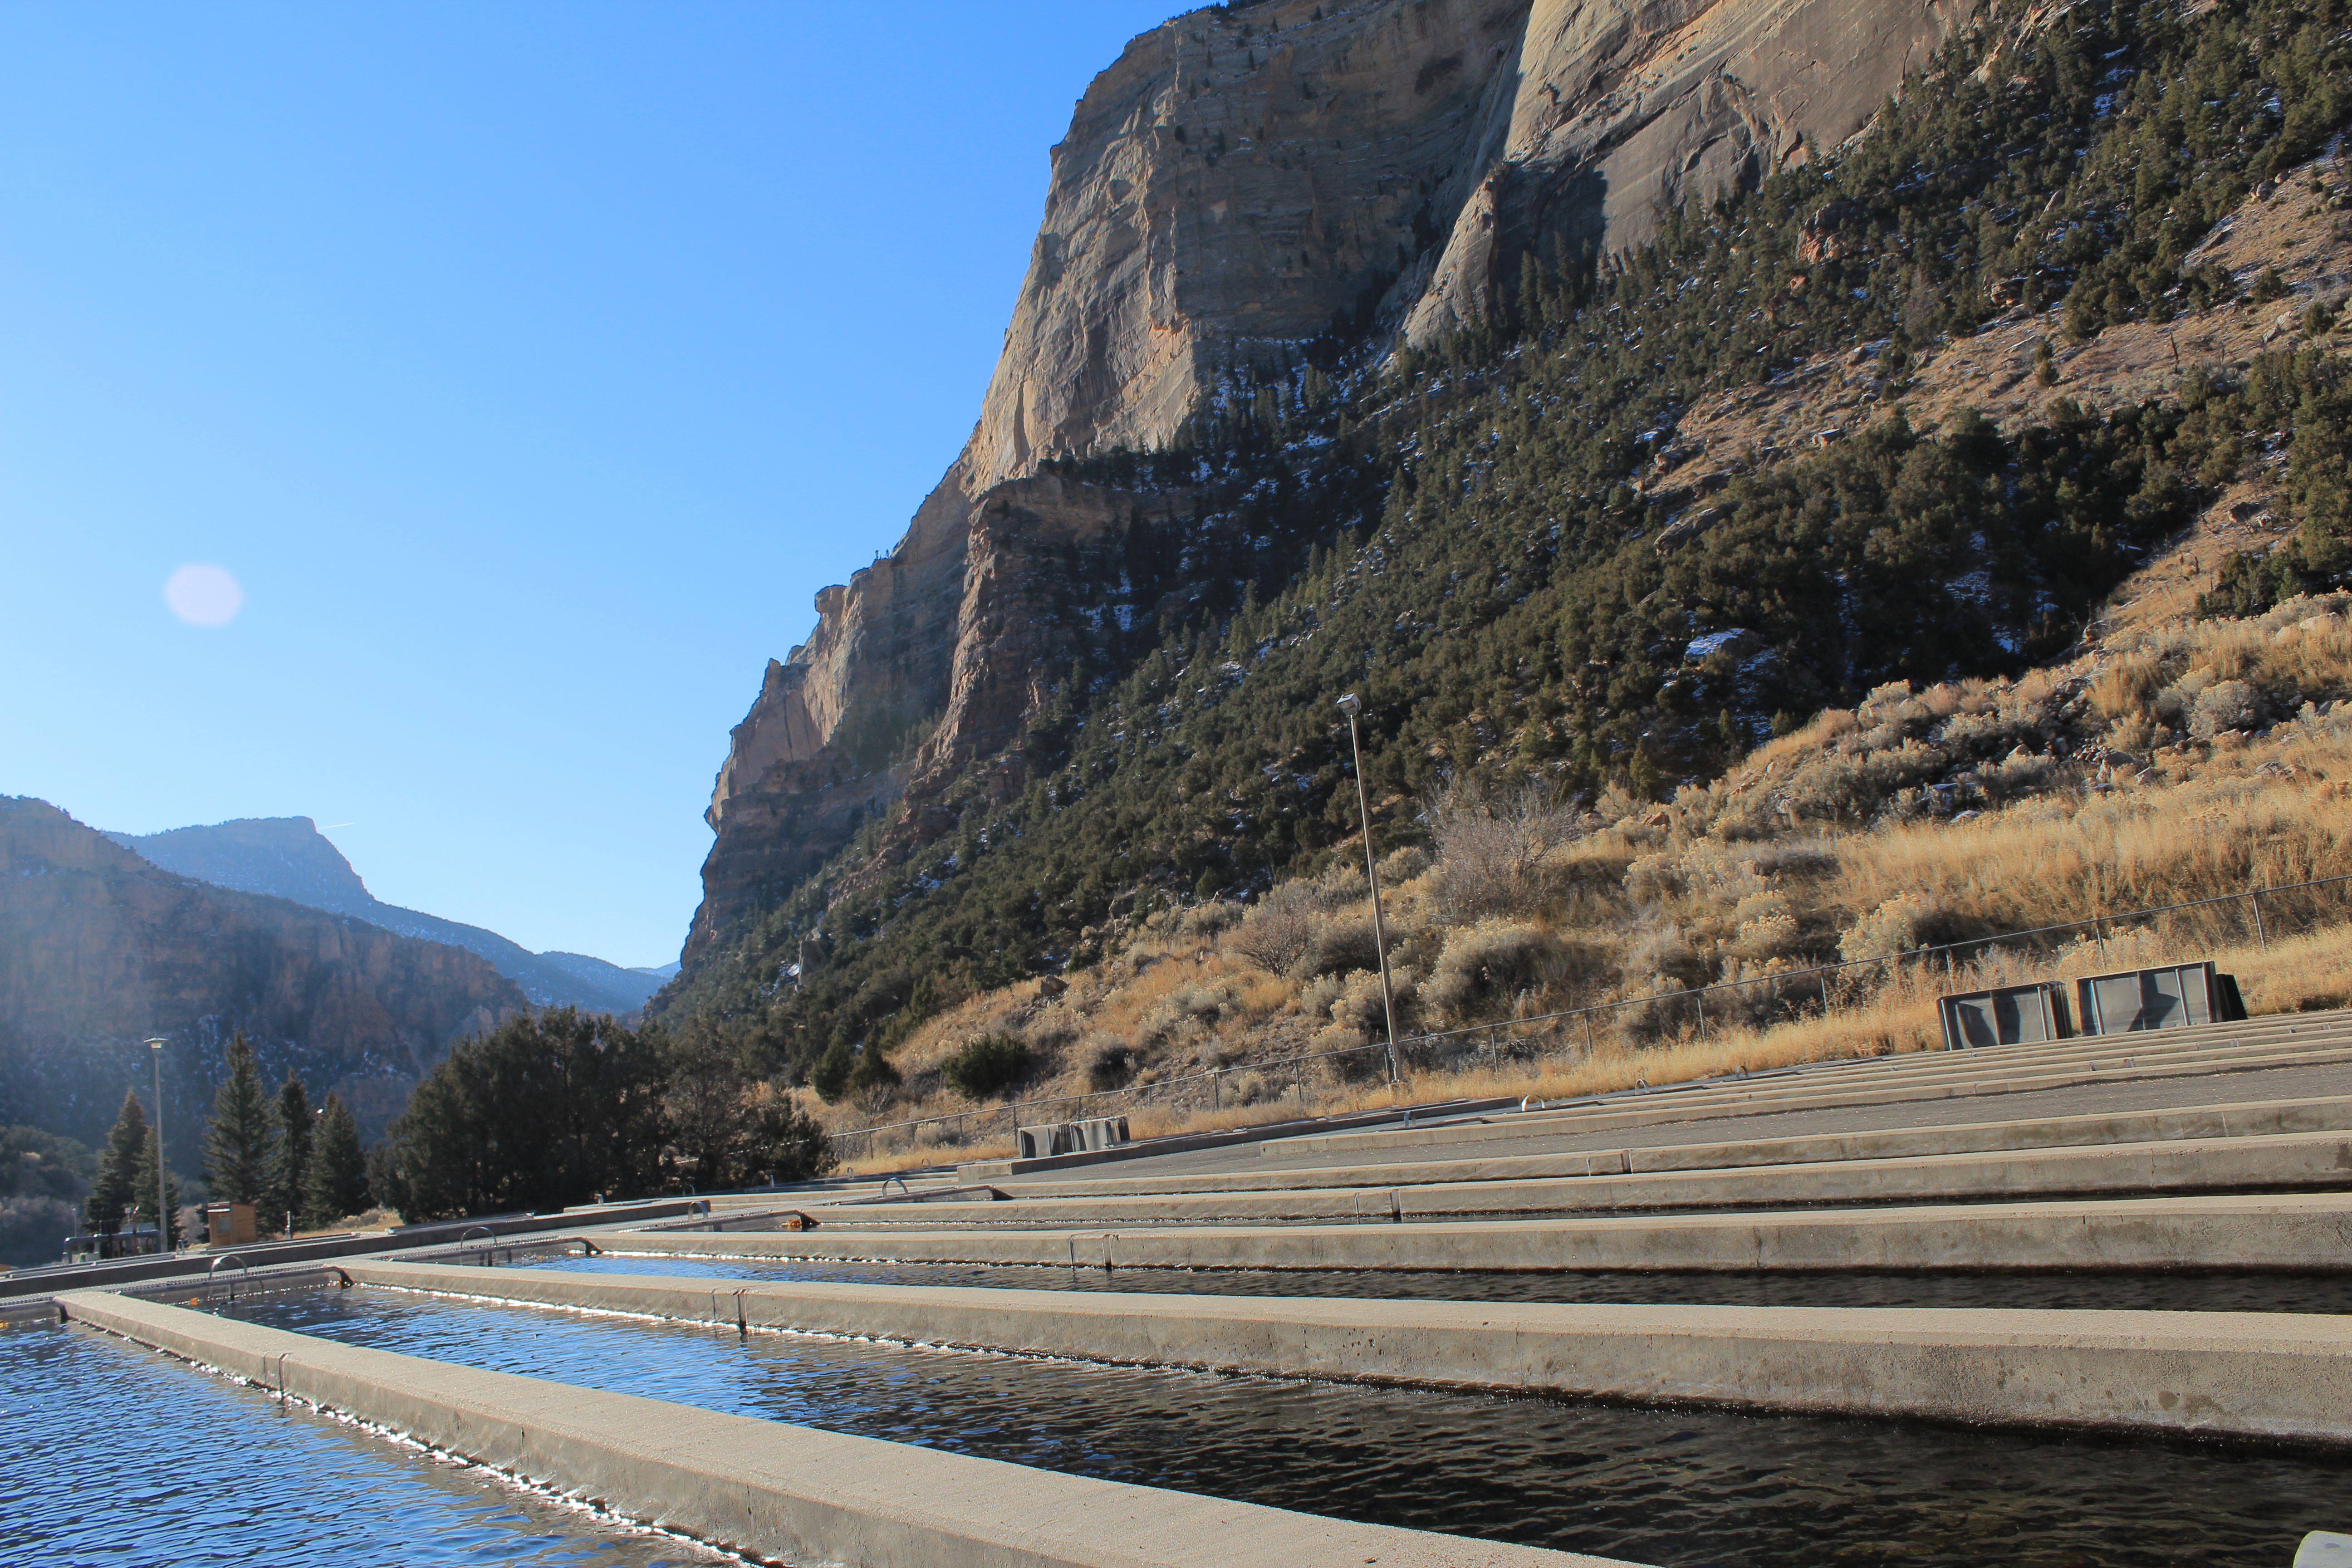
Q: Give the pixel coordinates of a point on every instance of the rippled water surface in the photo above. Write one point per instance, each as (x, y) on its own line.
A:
(114, 1455)
(2135, 1291)
(1673, 1488)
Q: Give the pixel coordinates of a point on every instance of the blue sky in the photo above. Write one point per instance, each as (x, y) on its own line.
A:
(527, 367)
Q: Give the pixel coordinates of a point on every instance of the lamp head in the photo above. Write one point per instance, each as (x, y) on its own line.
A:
(153, 1044)
(1351, 705)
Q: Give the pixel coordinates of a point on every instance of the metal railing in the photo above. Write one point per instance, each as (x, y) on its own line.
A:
(1817, 979)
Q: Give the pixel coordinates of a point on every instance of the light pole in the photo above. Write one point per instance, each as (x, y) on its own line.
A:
(1351, 705)
(162, 1200)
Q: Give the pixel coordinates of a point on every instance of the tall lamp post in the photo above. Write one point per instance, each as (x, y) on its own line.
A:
(162, 1182)
(1353, 705)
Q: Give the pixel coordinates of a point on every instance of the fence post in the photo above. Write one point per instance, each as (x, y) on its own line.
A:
(2099, 936)
(1588, 1031)
(2256, 897)
(1824, 976)
(1699, 999)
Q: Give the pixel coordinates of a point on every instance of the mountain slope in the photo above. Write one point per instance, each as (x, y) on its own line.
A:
(288, 858)
(1247, 183)
(99, 950)
(1634, 518)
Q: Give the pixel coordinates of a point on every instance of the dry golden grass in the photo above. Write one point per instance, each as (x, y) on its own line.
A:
(2225, 829)
(1724, 884)
(2125, 685)
(2300, 973)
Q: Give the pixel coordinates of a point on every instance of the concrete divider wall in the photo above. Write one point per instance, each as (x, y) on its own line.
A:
(2299, 1232)
(2287, 1162)
(1926, 1075)
(2284, 1377)
(778, 1492)
(2255, 1118)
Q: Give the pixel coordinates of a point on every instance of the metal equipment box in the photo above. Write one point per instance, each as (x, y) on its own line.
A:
(2175, 997)
(1069, 1137)
(2006, 1015)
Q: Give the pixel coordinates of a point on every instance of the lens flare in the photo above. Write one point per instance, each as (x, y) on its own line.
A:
(204, 595)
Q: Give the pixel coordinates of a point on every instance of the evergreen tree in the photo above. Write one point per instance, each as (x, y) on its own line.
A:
(289, 1151)
(830, 1077)
(150, 1155)
(237, 1137)
(116, 1188)
(334, 1181)
(786, 1144)
(540, 1112)
(1643, 773)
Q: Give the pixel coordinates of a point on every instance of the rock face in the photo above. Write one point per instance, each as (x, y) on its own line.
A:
(929, 658)
(1619, 111)
(1239, 182)
(100, 948)
(289, 857)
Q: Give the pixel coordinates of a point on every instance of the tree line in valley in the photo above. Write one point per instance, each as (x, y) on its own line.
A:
(543, 1111)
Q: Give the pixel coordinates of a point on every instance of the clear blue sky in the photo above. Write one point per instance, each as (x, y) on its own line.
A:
(527, 366)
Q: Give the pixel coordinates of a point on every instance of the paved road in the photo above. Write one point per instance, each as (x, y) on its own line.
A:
(2218, 1089)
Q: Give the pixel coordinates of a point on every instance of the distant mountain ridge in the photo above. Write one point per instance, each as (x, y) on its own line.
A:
(101, 949)
(288, 858)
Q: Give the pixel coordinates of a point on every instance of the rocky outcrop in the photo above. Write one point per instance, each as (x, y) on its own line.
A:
(1622, 110)
(1232, 182)
(1240, 181)
(100, 950)
(930, 658)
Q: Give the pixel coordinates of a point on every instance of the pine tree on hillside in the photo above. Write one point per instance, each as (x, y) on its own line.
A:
(237, 1138)
(116, 1188)
(149, 1154)
(334, 1182)
(290, 1161)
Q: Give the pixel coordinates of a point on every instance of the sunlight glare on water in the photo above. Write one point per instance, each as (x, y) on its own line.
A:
(116, 1456)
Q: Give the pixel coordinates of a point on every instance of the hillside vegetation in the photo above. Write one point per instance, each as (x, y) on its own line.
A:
(1644, 713)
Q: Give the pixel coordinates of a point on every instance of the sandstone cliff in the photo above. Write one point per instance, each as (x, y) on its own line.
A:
(99, 950)
(1239, 182)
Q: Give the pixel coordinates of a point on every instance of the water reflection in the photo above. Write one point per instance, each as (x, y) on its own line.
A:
(1664, 1487)
(119, 1456)
(2132, 1292)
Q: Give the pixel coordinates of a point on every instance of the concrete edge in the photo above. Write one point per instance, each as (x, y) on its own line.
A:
(776, 1490)
(2301, 1233)
(1722, 1100)
(2273, 1377)
(1265, 1132)
(2263, 1162)
(2250, 1119)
